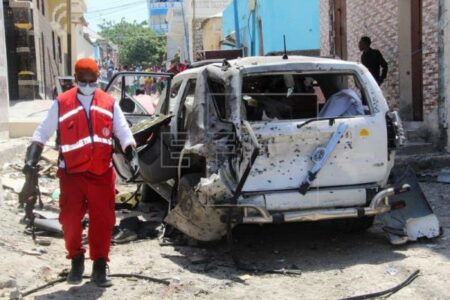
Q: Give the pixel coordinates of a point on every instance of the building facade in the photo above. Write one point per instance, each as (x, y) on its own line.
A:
(407, 34)
(158, 10)
(4, 96)
(185, 34)
(43, 43)
(212, 29)
(262, 25)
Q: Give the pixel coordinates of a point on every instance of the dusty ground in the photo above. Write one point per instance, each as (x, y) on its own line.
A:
(333, 265)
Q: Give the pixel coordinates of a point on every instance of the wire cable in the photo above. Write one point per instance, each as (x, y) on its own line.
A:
(63, 279)
(388, 292)
(118, 7)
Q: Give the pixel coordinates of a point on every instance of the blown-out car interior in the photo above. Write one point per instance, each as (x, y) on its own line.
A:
(305, 96)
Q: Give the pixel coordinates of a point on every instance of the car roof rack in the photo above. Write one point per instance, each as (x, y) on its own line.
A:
(206, 62)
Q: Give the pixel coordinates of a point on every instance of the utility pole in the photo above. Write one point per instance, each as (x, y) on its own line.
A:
(186, 34)
(69, 37)
(236, 24)
(194, 35)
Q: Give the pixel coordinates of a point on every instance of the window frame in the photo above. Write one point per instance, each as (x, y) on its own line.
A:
(345, 72)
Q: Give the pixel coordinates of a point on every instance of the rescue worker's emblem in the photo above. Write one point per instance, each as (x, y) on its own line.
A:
(106, 131)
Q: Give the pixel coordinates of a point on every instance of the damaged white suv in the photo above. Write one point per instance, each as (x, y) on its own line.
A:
(271, 140)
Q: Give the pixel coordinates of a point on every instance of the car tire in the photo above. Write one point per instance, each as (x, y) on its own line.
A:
(149, 195)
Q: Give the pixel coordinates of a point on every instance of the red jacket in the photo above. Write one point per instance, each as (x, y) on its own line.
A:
(85, 144)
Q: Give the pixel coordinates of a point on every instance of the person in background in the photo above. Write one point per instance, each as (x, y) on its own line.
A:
(85, 119)
(373, 60)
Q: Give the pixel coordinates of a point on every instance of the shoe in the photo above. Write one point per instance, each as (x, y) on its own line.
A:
(125, 236)
(99, 274)
(75, 275)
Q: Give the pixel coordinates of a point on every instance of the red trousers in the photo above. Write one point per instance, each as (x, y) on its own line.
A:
(92, 193)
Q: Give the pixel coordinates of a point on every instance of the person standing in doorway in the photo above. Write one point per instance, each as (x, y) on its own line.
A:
(373, 60)
(85, 118)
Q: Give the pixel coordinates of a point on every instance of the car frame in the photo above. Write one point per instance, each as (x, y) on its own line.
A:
(218, 169)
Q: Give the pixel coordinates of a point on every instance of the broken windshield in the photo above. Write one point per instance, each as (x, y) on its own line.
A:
(304, 96)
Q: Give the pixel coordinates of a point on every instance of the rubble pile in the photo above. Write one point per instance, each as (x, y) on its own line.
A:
(135, 220)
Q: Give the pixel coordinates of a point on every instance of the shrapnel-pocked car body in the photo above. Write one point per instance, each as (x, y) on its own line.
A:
(270, 140)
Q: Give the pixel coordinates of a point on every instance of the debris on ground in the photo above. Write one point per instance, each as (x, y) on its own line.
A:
(444, 176)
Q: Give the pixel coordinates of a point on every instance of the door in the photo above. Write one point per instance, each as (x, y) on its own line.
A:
(417, 60)
(138, 94)
(340, 28)
(294, 131)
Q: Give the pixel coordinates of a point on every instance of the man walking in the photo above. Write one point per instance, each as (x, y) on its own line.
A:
(373, 60)
(85, 119)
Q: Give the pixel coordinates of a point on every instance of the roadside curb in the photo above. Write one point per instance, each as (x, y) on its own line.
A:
(420, 162)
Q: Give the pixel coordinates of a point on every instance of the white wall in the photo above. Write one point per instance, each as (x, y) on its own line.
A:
(4, 96)
(83, 47)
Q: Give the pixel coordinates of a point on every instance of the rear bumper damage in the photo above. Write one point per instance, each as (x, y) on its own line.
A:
(253, 214)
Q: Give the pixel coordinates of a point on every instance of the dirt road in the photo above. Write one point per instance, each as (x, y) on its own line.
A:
(333, 265)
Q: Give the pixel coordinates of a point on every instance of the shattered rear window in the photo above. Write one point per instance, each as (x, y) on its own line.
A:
(305, 96)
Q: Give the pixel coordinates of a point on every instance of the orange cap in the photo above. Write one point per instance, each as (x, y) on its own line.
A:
(86, 64)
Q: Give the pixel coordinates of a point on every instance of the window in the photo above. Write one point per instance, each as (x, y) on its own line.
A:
(38, 4)
(292, 96)
(59, 50)
(53, 45)
(43, 7)
(217, 91)
(173, 96)
(186, 104)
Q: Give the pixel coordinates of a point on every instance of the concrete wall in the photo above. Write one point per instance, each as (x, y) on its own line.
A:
(212, 34)
(445, 72)
(298, 20)
(4, 95)
(81, 46)
(195, 12)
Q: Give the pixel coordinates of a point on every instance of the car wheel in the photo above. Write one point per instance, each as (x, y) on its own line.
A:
(149, 195)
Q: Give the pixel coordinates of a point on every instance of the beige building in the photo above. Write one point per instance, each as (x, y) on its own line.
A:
(212, 29)
(407, 34)
(187, 39)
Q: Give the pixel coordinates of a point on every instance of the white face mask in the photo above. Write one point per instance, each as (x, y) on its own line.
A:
(87, 89)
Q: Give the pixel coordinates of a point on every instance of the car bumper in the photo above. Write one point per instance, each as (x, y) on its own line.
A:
(256, 214)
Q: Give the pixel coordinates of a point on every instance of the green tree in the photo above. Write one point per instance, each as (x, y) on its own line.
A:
(137, 43)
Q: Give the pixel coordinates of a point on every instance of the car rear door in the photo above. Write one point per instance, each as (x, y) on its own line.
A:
(137, 93)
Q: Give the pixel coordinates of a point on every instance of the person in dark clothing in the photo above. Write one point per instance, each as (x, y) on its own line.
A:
(373, 60)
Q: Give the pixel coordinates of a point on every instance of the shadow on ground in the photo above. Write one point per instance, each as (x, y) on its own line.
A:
(307, 247)
(85, 291)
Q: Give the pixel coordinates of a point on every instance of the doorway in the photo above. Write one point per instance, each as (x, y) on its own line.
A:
(340, 28)
(416, 59)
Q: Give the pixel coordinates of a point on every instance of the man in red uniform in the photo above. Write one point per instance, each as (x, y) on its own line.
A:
(85, 119)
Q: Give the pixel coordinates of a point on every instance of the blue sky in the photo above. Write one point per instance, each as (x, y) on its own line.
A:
(115, 10)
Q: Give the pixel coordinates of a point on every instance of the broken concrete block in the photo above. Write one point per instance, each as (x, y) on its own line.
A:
(444, 176)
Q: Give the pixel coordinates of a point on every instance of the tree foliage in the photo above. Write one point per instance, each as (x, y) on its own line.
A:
(137, 43)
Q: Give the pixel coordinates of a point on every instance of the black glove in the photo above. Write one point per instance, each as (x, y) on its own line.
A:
(132, 158)
(30, 189)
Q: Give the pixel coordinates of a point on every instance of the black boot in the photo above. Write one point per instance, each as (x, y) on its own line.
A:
(76, 272)
(99, 275)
